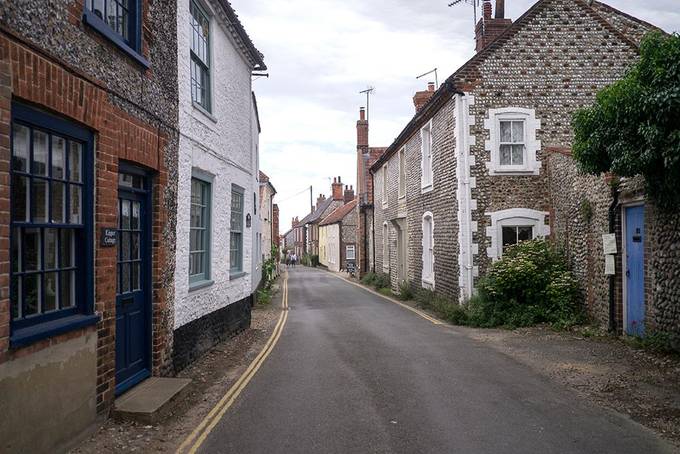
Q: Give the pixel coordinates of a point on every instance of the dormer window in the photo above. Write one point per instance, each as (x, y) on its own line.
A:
(513, 145)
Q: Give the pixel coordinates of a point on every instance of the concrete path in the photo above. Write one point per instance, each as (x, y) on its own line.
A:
(355, 373)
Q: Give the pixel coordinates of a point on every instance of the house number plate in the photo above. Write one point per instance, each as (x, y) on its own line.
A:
(108, 237)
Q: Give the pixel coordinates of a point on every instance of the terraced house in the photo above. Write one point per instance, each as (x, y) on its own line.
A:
(89, 145)
(485, 162)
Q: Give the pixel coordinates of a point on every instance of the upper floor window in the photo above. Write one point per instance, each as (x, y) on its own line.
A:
(428, 249)
(119, 21)
(199, 231)
(426, 156)
(513, 144)
(384, 185)
(51, 238)
(236, 234)
(200, 57)
(402, 173)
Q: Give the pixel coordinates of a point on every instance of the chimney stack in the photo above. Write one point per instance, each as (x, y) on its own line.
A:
(489, 28)
(319, 200)
(349, 194)
(336, 189)
(422, 97)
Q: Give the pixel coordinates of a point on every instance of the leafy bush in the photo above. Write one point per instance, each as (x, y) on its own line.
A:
(531, 284)
(382, 280)
(634, 126)
(368, 278)
(310, 260)
(264, 297)
(657, 341)
(452, 312)
(385, 291)
(405, 292)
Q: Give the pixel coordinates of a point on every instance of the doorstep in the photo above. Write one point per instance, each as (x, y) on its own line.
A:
(151, 400)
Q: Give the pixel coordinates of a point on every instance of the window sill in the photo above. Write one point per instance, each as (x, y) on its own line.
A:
(234, 276)
(428, 282)
(203, 111)
(426, 189)
(103, 28)
(200, 284)
(26, 336)
(510, 172)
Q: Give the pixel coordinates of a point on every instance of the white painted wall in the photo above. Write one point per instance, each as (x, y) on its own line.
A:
(224, 146)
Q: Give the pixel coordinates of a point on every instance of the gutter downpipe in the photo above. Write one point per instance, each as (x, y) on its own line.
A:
(612, 279)
(373, 223)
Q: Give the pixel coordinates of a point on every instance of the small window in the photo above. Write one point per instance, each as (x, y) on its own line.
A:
(384, 188)
(426, 156)
(200, 57)
(50, 237)
(402, 173)
(386, 248)
(350, 252)
(512, 144)
(236, 234)
(428, 249)
(515, 234)
(199, 234)
(118, 21)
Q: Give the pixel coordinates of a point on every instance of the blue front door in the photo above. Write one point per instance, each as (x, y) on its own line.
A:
(133, 300)
(635, 270)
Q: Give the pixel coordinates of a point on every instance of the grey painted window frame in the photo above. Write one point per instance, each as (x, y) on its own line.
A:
(203, 279)
(237, 270)
(204, 65)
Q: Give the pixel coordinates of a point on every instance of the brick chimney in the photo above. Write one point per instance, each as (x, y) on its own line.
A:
(362, 153)
(336, 189)
(319, 200)
(422, 97)
(489, 28)
(349, 194)
(295, 222)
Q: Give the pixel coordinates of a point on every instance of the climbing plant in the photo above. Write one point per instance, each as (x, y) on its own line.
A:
(634, 126)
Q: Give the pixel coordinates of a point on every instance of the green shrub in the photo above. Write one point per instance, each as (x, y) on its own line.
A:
(368, 278)
(405, 292)
(385, 291)
(531, 284)
(382, 280)
(264, 297)
(452, 312)
(424, 298)
(656, 341)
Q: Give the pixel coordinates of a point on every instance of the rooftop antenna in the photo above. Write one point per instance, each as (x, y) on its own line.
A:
(436, 79)
(474, 3)
(369, 91)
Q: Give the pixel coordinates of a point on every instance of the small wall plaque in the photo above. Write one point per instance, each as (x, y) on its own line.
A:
(248, 220)
(108, 237)
(609, 243)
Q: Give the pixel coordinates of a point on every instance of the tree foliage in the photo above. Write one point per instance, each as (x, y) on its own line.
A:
(634, 126)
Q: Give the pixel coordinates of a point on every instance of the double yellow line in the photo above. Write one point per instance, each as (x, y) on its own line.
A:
(194, 441)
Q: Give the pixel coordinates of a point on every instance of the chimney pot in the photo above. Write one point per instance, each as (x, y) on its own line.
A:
(430, 86)
(487, 9)
(500, 9)
(362, 113)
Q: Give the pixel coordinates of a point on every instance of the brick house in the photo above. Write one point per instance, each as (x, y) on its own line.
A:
(366, 156)
(485, 161)
(219, 257)
(309, 225)
(338, 234)
(89, 146)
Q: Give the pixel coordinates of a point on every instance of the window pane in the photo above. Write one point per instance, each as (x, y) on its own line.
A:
(20, 148)
(518, 131)
(75, 162)
(125, 214)
(125, 277)
(136, 253)
(517, 154)
(506, 134)
(125, 246)
(136, 276)
(66, 248)
(50, 249)
(16, 250)
(31, 245)
(525, 233)
(51, 296)
(15, 297)
(32, 292)
(39, 166)
(76, 204)
(40, 199)
(509, 236)
(58, 154)
(67, 289)
(134, 221)
(58, 199)
(98, 8)
(196, 216)
(506, 155)
(20, 198)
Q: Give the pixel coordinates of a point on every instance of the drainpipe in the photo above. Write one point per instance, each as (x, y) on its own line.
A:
(373, 223)
(612, 279)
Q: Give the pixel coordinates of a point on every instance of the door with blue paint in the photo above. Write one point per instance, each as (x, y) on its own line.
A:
(635, 270)
(133, 300)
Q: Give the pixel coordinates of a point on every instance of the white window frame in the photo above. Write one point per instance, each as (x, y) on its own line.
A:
(386, 247)
(427, 274)
(384, 185)
(426, 159)
(514, 217)
(402, 173)
(531, 165)
(353, 248)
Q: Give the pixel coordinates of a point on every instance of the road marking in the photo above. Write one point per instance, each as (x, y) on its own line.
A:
(194, 441)
(392, 300)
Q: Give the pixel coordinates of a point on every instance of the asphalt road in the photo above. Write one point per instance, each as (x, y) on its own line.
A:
(354, 373)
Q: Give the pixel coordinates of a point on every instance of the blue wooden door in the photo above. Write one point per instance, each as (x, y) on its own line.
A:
(635, 270)
(133, 301)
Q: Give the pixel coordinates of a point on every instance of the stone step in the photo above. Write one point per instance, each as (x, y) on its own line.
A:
(151, 400)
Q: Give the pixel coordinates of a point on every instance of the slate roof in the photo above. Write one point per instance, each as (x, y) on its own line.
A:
(339, 213)
(315, 215)
(467, 74)
(242, 39)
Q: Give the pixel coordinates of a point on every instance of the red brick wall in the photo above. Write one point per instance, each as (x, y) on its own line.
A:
(28, 76)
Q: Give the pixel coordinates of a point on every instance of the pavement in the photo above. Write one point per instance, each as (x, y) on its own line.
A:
(355, 373)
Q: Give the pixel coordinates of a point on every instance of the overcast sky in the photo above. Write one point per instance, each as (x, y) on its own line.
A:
(321, 53)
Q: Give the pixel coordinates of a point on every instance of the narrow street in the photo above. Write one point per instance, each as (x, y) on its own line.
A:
(353, 372)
